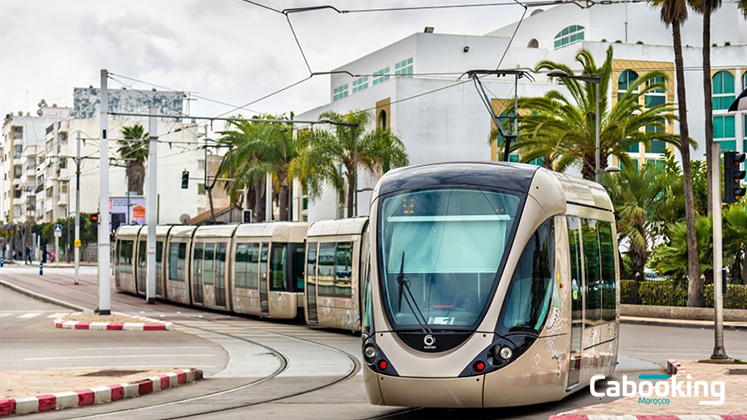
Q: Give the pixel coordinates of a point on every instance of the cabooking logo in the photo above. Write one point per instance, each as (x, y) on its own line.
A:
(664, 389)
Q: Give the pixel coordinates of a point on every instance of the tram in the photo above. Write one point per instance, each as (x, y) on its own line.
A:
(492, 285)
(259, 269)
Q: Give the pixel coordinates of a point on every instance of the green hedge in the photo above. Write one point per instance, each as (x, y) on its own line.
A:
(735, 297)
(627, 288)
(663, 293)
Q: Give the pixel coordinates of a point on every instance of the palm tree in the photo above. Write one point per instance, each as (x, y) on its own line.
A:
(134, 148)
(674, 14)
(639, 198)
(735, 239)
(329, 156)
(672, 258)
(567, 126)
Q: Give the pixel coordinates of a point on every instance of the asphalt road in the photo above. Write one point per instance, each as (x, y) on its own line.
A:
(284, 370)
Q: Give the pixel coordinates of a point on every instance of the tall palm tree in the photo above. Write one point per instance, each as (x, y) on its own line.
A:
(134, 148)
(674, 14)
(706, 8)
(328, 156)
(567, 126)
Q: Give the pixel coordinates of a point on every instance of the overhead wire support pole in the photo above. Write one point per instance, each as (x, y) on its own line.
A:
(355, 172)
(719, 351)
(104, 239)
(151, 212)
(77, 210)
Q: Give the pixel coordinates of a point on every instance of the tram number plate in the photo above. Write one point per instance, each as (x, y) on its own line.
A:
(441, 320)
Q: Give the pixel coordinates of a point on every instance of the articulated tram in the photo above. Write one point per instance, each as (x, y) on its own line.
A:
(492, 285)
(282, 270)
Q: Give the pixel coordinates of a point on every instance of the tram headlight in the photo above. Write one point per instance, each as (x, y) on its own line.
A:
(506, 353)
(369, 352)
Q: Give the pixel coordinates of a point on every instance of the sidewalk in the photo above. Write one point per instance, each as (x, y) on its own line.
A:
(686, 323)
(734, 403)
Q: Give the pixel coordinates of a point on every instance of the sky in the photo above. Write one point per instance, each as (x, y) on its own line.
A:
(226, 50)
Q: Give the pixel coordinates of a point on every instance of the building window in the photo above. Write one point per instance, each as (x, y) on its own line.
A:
(382, 122)
(201, 164)
(624, 82)
(403, 68)
(17, 133)
(201, 188)
(17, 151)
(360, 83)
(17, 171)
(723, 131)
(533, 43)
(569, 35)
(63, 138)
(723, 90)
(657, 96)
(340, 92)
(658, 163)
(381, 76)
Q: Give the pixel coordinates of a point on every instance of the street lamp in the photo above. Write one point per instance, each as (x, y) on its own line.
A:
(588, 79)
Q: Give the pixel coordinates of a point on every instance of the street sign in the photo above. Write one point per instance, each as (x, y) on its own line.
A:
(77, 242)
(57, 231)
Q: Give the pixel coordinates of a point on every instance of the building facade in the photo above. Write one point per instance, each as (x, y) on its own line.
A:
(410, 87)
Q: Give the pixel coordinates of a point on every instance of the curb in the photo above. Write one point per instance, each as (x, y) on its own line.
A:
(673, 368)
(97, 395)
(149, 324)
(41, 297)
(666, 322)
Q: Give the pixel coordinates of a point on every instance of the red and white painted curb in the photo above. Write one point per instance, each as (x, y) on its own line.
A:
(97, 395)
(673, 368)
(148, 324)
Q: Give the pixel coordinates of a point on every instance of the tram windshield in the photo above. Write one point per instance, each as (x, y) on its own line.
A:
(447, 245)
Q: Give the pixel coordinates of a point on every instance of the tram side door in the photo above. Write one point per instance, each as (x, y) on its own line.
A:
(577, 321)
(311, 282)
(264, 262)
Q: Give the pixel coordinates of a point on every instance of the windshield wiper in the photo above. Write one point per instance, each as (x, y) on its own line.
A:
(404, 286)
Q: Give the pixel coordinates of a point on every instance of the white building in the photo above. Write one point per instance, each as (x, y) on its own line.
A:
(452, 123)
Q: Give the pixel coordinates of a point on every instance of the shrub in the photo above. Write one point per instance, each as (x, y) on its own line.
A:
(735, 297)
(663, 293)
(627, 288)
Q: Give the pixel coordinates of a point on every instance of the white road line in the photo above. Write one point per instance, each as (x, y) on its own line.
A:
(128, 356)
(58, 315)
(165, 367)
(4, 315)
(36, 310)
(28, 316)
(143, 348)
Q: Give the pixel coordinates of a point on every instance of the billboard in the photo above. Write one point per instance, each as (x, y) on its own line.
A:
(128, 210)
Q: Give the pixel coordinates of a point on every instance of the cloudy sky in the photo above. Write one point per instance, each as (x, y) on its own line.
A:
(227, 50)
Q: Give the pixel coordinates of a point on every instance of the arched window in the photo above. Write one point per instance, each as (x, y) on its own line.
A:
(624, 82)
(382, 120)
(569, 35)
(533, 43)
(723, 90)
(657, 96)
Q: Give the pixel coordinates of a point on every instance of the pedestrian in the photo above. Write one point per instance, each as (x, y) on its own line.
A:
(44, 254)
(28, 254)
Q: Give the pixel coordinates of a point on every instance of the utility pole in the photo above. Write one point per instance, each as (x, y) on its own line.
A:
(150, 287)
(719, 351)
(268, 198)
(77, 209)
(355, 173)
(104, 216)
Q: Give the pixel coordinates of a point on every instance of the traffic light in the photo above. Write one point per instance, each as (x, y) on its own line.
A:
(185, 179)
(733, 175)
(94, 217)
(246, 216)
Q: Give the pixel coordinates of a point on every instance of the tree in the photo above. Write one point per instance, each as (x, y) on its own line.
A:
(674, 14)
(672, 258)
(134, 148)
(735, 240)
(567, 126)
(328, 156)
(641, 199)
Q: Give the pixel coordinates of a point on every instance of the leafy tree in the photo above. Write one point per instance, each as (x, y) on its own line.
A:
(134, 147)
(735, 240)
(328, 156)
(672, 258)
(567, 125)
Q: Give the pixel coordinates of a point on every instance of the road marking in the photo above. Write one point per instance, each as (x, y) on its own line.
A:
(4, 315)
(58, 315)
(28, 316)
(141, 348)
(126, 366)
(129, 356)
(21, 312)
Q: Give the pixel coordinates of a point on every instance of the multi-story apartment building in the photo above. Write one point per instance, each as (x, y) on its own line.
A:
(409, 86)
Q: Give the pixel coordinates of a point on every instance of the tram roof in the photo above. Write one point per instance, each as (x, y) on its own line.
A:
(352, 226)
(161, 230)
(182, 231)
(584, 192)
(211, 231)
(128, 230)
(292, 231)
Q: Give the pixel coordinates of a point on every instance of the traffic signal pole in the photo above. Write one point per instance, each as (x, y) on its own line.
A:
(77, 209)
(104, 235)
(719, 352)
(151, 212)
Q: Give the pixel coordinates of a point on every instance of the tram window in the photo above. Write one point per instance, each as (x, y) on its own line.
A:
(220, 260)
(159, 252)
(590, 243)
(278, 259)
(575, 253)
(311, 263)
(177, 251)
(607, 250)
(142, 253)
(181, 262)
(125, 256)
(366, 306)
(199, 252)
(326, 276)
(252, 268)
(297, 256)
(343, 269)
(531, 288)
(263, 261)
(240, 265)
(207, 266)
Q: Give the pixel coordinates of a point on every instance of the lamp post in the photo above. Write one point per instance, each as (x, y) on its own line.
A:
(588, 79)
